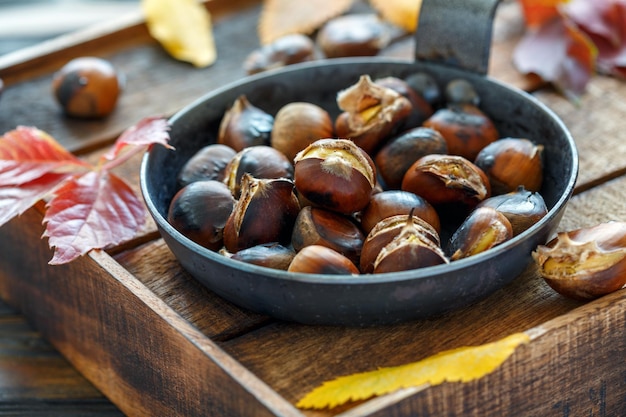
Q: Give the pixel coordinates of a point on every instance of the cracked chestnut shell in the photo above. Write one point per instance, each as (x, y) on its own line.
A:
(335, 174)
(388, 229)
(259, 161)
(446, 179)
(586, 263)
(265, 212)
(244, 125)
(318, 226)
(482, 230)
(370, 114)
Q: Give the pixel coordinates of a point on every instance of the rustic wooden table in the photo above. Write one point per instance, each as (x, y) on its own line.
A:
(129, 332)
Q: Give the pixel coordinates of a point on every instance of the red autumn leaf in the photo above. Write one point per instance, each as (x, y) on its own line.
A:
(16, 200)
(604, 21)
(151, 130)
(559, 53)
(28, 153)
(95, 210)
(90, 208)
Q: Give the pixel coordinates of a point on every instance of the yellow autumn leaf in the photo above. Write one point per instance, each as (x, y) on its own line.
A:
(183, 28)
(284, 17)
(457, 365)
(403, 13)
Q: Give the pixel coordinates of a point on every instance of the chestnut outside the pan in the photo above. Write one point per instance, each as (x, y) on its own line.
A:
(370, 299)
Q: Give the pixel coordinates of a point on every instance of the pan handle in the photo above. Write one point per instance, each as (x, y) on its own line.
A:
(456, 33)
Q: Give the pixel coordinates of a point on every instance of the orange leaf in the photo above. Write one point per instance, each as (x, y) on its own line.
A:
(284, 17)
(402, 13)
(538, 12)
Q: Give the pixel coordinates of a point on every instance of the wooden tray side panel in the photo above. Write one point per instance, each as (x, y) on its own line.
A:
(560, 373)
(144, 362)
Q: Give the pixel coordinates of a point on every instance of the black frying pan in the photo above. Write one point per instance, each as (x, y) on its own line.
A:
(452, 42)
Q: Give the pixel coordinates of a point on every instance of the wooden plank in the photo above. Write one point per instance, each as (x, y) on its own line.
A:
(125, 340)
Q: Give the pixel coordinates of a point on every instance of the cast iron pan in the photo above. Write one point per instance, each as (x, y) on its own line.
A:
(453, 41)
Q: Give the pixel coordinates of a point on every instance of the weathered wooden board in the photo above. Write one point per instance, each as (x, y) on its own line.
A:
(156, 342)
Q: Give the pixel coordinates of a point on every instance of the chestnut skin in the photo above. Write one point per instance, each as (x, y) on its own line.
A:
(200, 211)
(87, 87)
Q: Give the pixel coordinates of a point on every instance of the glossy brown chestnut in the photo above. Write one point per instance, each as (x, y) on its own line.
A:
(316, 259)
(265, 212)
(297, 125)
(385, 231)
(209, 163)
(286, 50)
(245, 125)
(270, 255)
(393, 202)
(353, 35)
(259, 161)
(335, 174)
(523, 208)
(586, 263)
(483, 229)
(87, 87)
(465, 128)
(370, 113)
(318, 226)
(396, 157)
(445, 179)
(200, 211)
(510, 163)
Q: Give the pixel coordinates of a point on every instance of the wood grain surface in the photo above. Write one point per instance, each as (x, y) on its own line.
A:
(129, 331)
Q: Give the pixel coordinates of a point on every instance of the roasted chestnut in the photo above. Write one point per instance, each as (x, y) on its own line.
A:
(265, 212)
(483, 229)
(586, 263)
(87, 87)
(461, 91)
(245, 125)
(297, 125)
(370, 112)
(259, 161)
(445, 179)
(510, 163)
(286, 50)
(420, 108)
(523, 208)
(385, 231)
(209, 163)
(399, 245)
(465, 128)
(200, 211)
(318, 226)
(354, 35)
(396, 157)
(393, 202)
(316, 259)
(335, 174)
(270, 255)
(426, 86)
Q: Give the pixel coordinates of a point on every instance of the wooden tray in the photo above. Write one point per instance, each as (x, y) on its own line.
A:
(157, 343)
